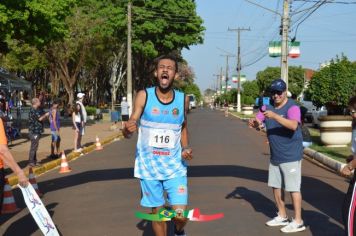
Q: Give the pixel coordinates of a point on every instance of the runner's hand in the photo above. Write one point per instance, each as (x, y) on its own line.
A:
(130, 127)
(22, 179)
(187, 154)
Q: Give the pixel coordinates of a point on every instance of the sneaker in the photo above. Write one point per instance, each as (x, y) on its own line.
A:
(78, 150)
(293, 227)
(278, 221)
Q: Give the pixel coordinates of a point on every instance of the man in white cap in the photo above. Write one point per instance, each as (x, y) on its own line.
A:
(79, 102)
(124, 111)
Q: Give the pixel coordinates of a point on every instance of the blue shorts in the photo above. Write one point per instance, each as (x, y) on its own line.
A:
(153, 192)
(55, 137)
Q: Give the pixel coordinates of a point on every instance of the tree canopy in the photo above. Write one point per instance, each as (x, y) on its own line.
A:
(77, 42)
(295, 81)
(334, 84)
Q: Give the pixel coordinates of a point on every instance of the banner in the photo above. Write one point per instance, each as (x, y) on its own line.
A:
(275, 49)
(38, 211)
(294, 49)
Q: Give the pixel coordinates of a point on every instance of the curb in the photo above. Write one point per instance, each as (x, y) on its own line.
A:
(317, 158)
(243, 119)
(330, 163)
(70, 157)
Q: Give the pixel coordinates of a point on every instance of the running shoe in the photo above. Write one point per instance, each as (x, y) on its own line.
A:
(293, 227)
(278, 221)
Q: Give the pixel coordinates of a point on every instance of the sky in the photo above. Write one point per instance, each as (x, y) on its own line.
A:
(327, 32)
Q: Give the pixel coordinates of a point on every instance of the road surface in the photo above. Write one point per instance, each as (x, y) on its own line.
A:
(228, 174)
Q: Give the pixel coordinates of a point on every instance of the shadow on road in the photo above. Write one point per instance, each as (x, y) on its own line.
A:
(316, 221)
(316, 192)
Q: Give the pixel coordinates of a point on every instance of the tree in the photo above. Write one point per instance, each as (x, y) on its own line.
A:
(91, 24)
(209, 92)
(192, 89)
(295, 81)
(250, 88)
(161, 27)
(334, 84)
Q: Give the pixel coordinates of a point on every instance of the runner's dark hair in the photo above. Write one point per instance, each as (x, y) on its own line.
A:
(169, 57)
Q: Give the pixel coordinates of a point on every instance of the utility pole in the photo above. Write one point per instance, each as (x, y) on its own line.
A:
(238, 30)
(285, 29)
(217, 81)
(226, 69)
(129, 59)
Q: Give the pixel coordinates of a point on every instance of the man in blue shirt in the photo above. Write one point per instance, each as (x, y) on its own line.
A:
(283, 125)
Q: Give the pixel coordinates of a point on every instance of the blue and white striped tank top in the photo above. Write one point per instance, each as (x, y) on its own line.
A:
(158, 153)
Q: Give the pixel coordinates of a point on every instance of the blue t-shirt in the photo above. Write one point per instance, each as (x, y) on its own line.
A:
(286, 145)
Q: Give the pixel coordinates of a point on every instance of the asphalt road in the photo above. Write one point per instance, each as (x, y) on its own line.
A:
(228, 174)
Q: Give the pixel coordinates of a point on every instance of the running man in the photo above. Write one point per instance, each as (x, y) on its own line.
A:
(283, 124)
(159, 115)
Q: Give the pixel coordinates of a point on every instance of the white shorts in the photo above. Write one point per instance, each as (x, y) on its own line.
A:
(285, 175)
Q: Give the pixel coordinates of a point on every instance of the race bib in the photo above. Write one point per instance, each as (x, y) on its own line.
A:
(160, 138)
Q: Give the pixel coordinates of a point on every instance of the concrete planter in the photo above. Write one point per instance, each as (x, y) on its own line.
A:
(335, 131)
(247, 110)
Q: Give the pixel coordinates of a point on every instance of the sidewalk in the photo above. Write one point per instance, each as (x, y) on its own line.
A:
(20, 147)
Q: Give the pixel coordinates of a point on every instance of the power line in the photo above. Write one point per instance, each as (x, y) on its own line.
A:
(329, 1)
(306, 17)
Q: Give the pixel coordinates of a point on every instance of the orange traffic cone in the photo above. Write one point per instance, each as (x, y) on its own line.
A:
(33, 181)
(64, 165)
(8, 204)
(98, 144)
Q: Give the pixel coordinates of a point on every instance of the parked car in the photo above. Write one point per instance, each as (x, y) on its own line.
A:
(192, 101)
(313, 113)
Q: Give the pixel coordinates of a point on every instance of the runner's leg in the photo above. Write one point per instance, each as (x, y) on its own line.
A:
(159, 227)
(152, 196)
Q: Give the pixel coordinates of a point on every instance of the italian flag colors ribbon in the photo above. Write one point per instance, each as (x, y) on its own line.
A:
(167, 215)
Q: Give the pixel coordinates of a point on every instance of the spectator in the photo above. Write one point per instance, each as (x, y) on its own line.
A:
(124, 112)
(54, 121)
(226, 108)
(8, 159)
(284, 134)
(35, 119)
(83, 112)
(78, 123)
(348, 211)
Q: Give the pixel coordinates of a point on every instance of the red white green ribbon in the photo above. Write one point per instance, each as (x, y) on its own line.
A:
(167, 215)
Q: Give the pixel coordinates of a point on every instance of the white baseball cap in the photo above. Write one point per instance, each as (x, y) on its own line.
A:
(80, 95)
(124, 98)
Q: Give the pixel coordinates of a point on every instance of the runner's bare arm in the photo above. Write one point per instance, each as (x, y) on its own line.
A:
(131, 124)
(187, 152)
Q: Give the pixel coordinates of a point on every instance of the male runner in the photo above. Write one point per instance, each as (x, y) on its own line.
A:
(159, 115)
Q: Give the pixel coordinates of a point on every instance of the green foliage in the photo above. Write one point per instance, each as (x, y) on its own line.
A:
(91, 111)
(250, 88)
(334, 84)
(247, 100)
(192, 89)
(162, 26)
(295, 81)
